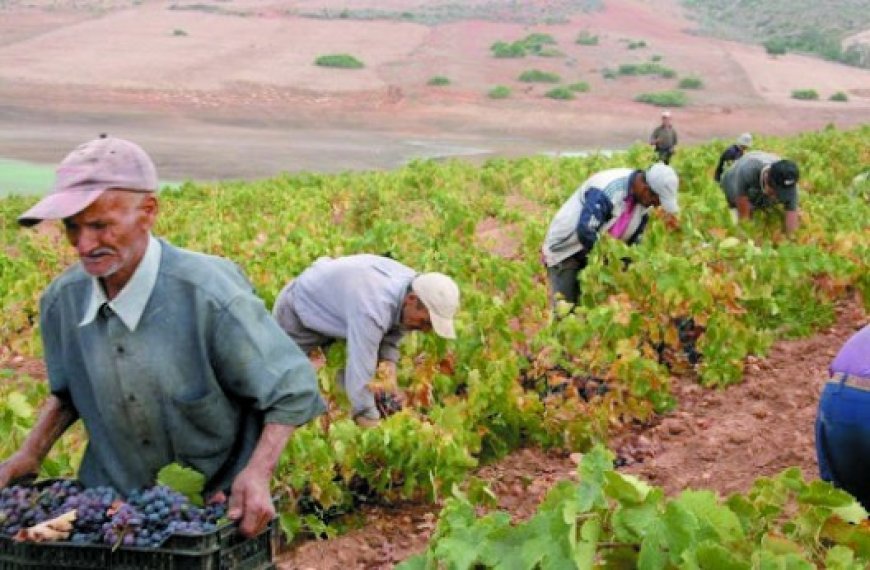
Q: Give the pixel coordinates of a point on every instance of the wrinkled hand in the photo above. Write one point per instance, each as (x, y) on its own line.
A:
(15, 467)
(251, 502)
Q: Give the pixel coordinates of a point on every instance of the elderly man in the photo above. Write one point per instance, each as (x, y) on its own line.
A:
(761, 180)
(166, 355)
(614, 202)
(370, 301)
(843, 421)
(732, 153)
(664, 138)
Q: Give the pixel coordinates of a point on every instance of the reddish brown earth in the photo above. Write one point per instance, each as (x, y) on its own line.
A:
(715, 439)
(239, 96)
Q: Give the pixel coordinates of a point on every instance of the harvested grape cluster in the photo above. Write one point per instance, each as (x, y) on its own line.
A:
(144, 519)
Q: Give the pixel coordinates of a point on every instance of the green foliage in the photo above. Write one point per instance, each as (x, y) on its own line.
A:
(534, 44)
(646, 68)
(585, 38)
(614, 520)
(579, 87)
(776, 46)
(691, 82)
(747, 285)
(438, 81)
(499, 92)
(561, 93)
(839, 96)
(539, 76)
(189, 482)
(636, 44)
(340, 60)
(655, 57)
(805, 94)
(178, 32)
(808, 26)
(663, 98)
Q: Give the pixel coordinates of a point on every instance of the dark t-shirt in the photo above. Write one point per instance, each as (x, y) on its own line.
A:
(744, 179)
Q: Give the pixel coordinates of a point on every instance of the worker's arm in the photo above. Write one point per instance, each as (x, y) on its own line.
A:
(54, 419)
(597, 210)
(250, 497)
(792, 221)
(744, 208)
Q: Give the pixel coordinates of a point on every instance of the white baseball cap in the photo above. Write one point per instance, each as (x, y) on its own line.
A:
(663, 180)
(440, 294)
(745, 140)
(666, 114)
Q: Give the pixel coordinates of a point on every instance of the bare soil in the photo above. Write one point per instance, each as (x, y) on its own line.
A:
(235, 94)
(715, 439)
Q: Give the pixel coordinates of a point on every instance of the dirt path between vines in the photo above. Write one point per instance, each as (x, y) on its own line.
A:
(717, 439)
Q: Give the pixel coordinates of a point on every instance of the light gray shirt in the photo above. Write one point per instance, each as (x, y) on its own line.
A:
(745, 179)
(357, 298)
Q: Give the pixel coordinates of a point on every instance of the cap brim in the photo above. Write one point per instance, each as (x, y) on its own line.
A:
(443, 327)
(59, 205)
(670, 205)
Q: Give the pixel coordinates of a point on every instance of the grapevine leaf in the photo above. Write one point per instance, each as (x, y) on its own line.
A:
(854, 513)
(625, 488)
(712, 556)
(841, 558)
(590, 532)
(189, 482)
(716, 520)
(17, 403)
(593, 467)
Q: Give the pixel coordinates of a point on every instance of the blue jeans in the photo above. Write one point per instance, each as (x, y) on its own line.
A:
(843, 439)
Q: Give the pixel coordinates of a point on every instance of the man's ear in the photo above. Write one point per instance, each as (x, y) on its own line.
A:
(149, 207)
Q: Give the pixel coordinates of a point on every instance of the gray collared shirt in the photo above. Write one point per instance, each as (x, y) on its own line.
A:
(192, 380)
(358, 298)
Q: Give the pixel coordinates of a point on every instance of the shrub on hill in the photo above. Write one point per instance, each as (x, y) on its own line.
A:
(663, 98)
(560, 93)
(646, 68)
(691, 82)
(339, 60)
(585, 38)
(839, 96)
(438, 81)
(499, 92)
(538, 76)
(579, 87)
(805, 94)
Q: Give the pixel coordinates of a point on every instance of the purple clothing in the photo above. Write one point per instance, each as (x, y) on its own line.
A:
(854, 357)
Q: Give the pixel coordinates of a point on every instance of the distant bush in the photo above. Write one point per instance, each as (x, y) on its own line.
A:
(534, 44)
(438, 81)
(663, 98)
(637, 44)
(655, 57)
(608, 73)
(178, 32)
(499, 92)
(838, 96)
(646, 68)
(506, 50)
(776, 46)
(538, 76)
(560, 93)
(805, 94)
(579, 87)
(340, 60)
(584, 38)
(691, 82)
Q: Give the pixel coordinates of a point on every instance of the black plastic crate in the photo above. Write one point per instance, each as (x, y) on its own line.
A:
(222, 549)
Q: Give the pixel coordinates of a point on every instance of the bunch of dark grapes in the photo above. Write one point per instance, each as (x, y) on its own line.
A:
(146, 519)
(387, 403)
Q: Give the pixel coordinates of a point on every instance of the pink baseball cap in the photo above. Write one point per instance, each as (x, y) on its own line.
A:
(88, 171)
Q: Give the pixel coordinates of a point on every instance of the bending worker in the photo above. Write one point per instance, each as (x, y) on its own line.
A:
(371, 302)
(166, 355)
(614, 202)
(760, 180)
